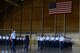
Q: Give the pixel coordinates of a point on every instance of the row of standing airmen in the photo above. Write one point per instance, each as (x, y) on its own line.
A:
(13, 40)
(5, 40)
(58, 41)
(43, 41)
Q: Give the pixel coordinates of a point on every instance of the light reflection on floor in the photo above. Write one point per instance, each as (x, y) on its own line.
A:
(20, 49)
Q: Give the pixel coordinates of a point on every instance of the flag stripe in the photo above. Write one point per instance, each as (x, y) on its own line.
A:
(61, 7)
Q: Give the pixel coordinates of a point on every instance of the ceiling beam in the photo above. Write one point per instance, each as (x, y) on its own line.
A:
(11, 2)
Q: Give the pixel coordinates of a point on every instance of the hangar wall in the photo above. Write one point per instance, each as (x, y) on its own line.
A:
(12, 18)
(21, 21)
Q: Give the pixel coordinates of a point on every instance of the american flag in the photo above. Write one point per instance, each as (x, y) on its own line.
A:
(60, 7)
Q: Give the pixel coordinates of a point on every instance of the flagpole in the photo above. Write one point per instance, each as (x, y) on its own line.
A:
(31, 19)
(64, 25)
(42, 26)
(55, 25)
(21, 17)
(79, 19)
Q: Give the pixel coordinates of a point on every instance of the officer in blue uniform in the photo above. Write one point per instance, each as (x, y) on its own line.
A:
(52, 39)
(23, 40)
(68, 43)
(41, 42)
(20, 40)
(26, 42)
(7, 40)
(57, 41)
(13, 40)
(38, 39)
(47, 41)
(4, 40)
(0, 40)
(62, 40)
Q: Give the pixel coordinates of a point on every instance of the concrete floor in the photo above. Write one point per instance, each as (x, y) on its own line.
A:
(19, 49)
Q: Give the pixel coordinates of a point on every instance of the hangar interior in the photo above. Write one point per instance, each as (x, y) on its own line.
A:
(32, 17)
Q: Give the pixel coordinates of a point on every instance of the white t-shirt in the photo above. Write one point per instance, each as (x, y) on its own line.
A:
(7, 37)
(4, 37)
(56, 38)
(17, 38)
(44, 38)
(23, 38)
(38, 38)
(0, 37)
(61, 39)
(20, 38)
(47, 38)
(13, 35)
(51, 38)
(41, 38)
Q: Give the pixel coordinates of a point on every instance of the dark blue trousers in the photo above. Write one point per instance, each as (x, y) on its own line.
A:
(41, 44)
(57, 44)
(38, 43)
(52, 44)
(0, 41)
(61, 45)
(7, 42)
(26, 44)
(13, 45)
